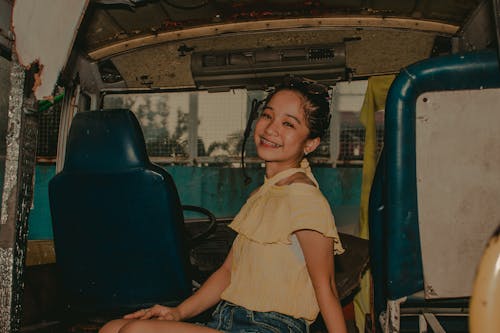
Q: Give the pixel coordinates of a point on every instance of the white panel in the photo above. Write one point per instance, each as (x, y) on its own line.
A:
(45, 32)
(349, 96)
(458, 184)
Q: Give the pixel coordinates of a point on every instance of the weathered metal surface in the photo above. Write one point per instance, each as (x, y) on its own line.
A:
(164, 68)
(318, 23)
(477, 34)
(457, 184)
(9, 188)
(16, 200)
(381, 36)
(153, 19)
(6, 265)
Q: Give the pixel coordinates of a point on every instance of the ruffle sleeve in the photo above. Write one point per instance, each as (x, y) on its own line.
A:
(274, 216)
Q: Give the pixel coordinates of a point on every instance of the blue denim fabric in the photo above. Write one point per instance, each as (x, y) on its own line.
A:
(232, 318)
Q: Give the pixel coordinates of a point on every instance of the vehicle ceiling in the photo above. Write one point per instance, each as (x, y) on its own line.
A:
(147, 44)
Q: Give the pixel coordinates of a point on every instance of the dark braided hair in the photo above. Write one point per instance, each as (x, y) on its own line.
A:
(315, 103)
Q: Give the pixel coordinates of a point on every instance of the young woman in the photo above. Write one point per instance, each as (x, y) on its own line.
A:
(279, 272)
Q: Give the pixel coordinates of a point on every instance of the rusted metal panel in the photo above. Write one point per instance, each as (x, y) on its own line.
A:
(350, 23)
(154, 20)
(17, 198)
(164, 68)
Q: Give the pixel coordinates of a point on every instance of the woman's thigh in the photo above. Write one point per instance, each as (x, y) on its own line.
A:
(113, 326)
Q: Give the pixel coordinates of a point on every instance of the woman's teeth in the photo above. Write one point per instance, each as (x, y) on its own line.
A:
(269, 143)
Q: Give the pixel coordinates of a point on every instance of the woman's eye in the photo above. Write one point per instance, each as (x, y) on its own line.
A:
(265, 115)
(288, 124)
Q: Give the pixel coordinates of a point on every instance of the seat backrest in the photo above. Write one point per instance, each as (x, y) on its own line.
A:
(117, 219)
(408, 237)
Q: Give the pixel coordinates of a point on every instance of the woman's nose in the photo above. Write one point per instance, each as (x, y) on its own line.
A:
(271, 128)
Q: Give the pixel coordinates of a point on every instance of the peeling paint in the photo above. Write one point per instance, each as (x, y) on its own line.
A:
(36, 41)
(6, 264)
(7, 223)
(13, 130)
(37, 77)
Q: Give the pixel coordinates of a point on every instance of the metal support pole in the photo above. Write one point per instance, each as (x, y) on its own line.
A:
(17, 197)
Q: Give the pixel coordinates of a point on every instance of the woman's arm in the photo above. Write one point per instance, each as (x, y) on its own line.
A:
(207, 296)
(318, 253)
(209, 293)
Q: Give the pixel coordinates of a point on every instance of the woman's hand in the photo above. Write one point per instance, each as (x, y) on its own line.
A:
(158, 312)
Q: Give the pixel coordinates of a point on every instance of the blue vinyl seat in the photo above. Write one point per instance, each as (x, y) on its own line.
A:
(401, 292)
(117, 220)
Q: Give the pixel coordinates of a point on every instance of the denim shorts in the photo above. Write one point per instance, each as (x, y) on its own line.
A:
(232, 318)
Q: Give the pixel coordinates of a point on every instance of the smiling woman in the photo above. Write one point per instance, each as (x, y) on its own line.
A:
(190, 71)
(286, 238)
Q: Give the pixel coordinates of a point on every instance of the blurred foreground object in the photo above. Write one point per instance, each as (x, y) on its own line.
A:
(485, 300)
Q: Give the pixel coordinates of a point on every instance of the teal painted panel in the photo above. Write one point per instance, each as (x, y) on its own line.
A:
(341, 186)
(39, 223)
(220, 190)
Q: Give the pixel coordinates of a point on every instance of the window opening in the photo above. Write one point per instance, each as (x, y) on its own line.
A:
(348, 100)
(202, 128)
(48, 131)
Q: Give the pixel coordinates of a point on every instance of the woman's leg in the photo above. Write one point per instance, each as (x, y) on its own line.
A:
(153, 326)
(114, 326)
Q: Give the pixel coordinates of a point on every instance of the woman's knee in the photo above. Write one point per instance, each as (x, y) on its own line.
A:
(136, 326)
(113, 326)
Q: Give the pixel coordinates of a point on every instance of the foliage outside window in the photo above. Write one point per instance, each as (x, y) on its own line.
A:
(189, 127)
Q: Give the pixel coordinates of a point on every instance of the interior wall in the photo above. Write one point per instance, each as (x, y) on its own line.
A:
(221, 191)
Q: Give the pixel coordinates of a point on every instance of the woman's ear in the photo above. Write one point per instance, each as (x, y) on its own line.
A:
(311, 145)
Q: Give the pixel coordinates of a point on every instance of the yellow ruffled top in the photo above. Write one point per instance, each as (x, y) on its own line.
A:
(268, 269)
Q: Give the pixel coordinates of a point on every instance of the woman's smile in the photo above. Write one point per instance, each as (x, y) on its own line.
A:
(268, 143)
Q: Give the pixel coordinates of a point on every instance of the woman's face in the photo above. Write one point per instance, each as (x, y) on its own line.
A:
(281, 133)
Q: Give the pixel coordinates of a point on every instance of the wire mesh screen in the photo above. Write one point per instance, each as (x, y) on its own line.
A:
(164, 119)
(352, 137)
(199, 127)
(48, 129)
(206, 128)
(348, 101)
